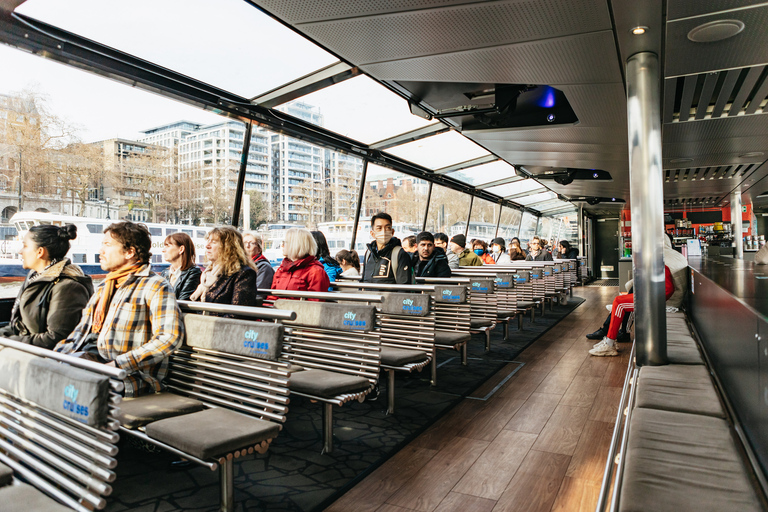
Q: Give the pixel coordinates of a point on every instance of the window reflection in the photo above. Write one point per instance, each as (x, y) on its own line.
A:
(448, 211)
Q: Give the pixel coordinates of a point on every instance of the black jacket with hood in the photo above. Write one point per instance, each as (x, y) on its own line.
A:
(391, 265)
(436, 266)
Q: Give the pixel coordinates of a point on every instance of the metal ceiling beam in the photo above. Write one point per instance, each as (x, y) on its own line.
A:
(503, 181)
(315, 81)
(467, 164)
(413, 135)
(525, 194)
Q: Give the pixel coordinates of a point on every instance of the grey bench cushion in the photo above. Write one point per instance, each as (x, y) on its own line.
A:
(409, 304)
(327, 315)
(679, 388)
(682, 350)
(504, 314)
(480, 323)
(73, 392)
(504, 280)
(484, 285)
(399, 356)
(212, 432)
(522, 304)
(6, 474)
(683, 462)
(450, 294)
(25, 498)
(137, 412)
(451, 338)
(326, 384)
(263, 340)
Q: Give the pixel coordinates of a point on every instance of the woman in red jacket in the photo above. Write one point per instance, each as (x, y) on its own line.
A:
(300, 270)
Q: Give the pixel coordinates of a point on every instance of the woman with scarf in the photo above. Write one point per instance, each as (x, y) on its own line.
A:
(55, 292)
(230, 277)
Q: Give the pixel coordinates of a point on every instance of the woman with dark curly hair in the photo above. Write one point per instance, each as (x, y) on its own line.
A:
(230, 277)
(55, 292)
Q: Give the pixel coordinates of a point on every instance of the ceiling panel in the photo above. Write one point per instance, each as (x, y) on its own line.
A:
(686, 8)
(749, 48)
(716, 129)
(404, 35)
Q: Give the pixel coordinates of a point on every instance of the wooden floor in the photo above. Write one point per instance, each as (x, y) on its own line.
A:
(538, 444)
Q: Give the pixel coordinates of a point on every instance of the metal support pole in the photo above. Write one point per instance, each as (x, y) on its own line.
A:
(736, 224)
(646, 194)
(469, 215)
(390, 391)
(498, 221)
(241, 176)
(519, 227)
(433, 381)
(327, 428)
(226, 479)
(360, 195)
(426, 211)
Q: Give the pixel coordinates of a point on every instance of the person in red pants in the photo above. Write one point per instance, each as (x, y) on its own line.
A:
(623, 305)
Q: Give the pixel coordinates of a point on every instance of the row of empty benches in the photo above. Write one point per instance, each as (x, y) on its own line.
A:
(229, 386)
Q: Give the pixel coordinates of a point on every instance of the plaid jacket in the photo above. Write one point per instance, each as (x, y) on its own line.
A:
(142, 328)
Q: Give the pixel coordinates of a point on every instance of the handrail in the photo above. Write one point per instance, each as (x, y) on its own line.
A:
(443, 280)
(355, 297)
(114, 373)
(624, 442)
(229, 309)
(386, 287)
(605, 486)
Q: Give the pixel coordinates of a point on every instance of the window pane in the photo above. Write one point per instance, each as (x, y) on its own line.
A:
(349, 107)
(567, 227)
(536, 198)
(486, 173)
(439, 150)
(448, 211)
(517, 187)
(193, 38)
(528, 228)
(482, 222)
(510, 222)
(544, 229)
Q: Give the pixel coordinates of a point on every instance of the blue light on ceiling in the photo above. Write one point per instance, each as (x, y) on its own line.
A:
(548, 99)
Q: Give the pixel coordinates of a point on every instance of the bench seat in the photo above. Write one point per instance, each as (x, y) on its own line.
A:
(396, 357)
(6, 474)
(212, 432)
(25, 498)
(451, 339)
(137, 412)
(681, 349)
(521, 304)
(678, 388)
(505, 313)
(326, 384)
(480, 323)
(679, 462)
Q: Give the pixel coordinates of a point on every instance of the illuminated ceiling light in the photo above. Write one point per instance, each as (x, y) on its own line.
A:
(638, 31)
(753, 154)
(715, 31)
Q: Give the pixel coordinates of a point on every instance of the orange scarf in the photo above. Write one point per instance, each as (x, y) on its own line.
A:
(114, 280)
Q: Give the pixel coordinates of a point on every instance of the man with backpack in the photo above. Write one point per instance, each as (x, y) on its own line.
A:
(385, 260)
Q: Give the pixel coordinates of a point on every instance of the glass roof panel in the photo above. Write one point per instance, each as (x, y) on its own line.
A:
(486, 173)
(349, 107)
(439, 151)
(517, 187)
(191, 37)
(536, 198)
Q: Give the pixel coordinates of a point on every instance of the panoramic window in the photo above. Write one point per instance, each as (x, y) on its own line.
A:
(485, 173)
(510, 223)
(527, 228)
(448, 211)
(482, 222)
(439, 151)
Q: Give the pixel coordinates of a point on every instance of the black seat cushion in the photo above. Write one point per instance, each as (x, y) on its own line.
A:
(212, 432)
(679, 388)
(505, 314)
(137, 412)
(25, 498)
(326, 384)
(480, 323)
(524, 304)
(391, 356)
(683, 462)
(451, 338)
(6, 474)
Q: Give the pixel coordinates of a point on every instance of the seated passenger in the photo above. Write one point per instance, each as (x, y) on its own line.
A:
(55, 292)
(409, 244)
(481, 249)
(441, 242)
(623, 305)
(230, 277)
(350, 263)
(183, 274)
(300, 269)
(537, 252)
(566, 252)
(499, 252)
(466, 257)
(515, 242)
(265, 273)
(515, 252)
(323, 255)
(432, 261)
(145, 324)
(385, 261)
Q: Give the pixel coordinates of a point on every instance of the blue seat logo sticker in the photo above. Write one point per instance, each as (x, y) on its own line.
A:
(349, 321)
(70, 402)
(501, 282)
(252, 343)
(477, 287)
(410, 308)
(448, 295)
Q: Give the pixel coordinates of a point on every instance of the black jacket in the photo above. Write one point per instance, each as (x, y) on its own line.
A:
(379, 266)
(436, 266)
(542, 256)
(572, 254)
(186, 284)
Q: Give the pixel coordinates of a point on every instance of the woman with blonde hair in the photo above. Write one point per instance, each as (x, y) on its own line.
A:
(230, 277)
(300, 269)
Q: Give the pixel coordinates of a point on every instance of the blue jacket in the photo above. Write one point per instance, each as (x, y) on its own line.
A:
(332, 270)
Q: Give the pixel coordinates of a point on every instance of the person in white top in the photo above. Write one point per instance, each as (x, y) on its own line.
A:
(350, 263)
(499, 252)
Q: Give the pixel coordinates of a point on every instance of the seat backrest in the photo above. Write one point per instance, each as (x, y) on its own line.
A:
(407, 320)
(452, 308)
(483, 301)
(234, 364)
(57, 428)
(336, 337)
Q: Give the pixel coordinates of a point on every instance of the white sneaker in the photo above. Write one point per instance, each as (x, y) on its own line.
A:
(604, 341)
(604, 349)
(609, 307)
